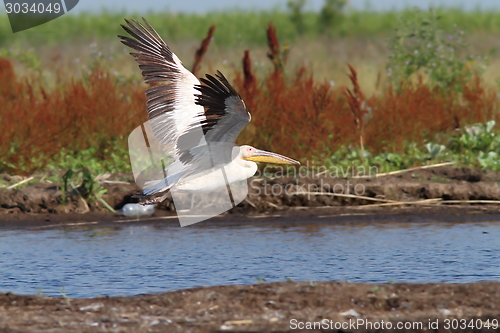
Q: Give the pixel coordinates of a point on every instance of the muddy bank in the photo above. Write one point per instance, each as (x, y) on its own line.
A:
(441, 186)
(276, 307)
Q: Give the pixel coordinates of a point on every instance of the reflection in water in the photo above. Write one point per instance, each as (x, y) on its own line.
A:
(133, 260)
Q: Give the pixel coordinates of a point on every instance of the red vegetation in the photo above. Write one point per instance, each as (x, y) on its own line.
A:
(247, 72)
(416, 113)
(36, 124)
(291, 113)
(302, 118)
(295, 117)
(277, 56)
(355, 100)
(198, 55)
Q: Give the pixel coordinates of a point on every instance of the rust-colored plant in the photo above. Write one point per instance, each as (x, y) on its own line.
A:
(249, 81)
(198, 56)
(95, 112)
(416, 113)
(355, 100)
(299, 117)
(276, 54)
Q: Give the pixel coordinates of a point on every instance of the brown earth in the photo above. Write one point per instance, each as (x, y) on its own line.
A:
(422, 188)
(275, 307)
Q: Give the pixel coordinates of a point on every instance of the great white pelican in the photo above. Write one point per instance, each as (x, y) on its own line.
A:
(196, 124)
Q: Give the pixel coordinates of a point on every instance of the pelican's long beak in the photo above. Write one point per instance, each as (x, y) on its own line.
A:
(268, 157)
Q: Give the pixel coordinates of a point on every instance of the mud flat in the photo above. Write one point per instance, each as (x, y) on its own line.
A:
(415, 191)
(275, 307)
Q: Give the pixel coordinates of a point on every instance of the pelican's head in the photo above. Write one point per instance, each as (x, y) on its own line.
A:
(250, 153)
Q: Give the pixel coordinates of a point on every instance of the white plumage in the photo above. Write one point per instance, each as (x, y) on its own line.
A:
(196, 125)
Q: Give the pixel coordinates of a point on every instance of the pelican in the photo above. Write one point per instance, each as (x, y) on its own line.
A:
(195, 124)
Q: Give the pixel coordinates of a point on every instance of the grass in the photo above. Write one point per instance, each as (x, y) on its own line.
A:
(238, 26)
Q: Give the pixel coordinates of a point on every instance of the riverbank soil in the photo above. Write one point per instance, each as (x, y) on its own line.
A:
(437, 186)
(274, 307)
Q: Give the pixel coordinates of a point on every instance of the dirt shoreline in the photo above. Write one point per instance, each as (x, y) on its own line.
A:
(283, 218)
(274, 307)
(444, 191)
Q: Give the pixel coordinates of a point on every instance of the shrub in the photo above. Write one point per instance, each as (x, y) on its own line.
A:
(419, 46)
(97, 112)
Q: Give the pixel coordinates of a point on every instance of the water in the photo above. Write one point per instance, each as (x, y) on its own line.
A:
(132, 260)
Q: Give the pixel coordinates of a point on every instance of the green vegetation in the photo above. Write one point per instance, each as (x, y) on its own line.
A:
(112, 159)
(238, 27)
(420, 46)
(476, 146)
(89, 189)
(420, 49)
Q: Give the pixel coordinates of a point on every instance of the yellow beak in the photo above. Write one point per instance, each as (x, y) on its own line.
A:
(268, 157)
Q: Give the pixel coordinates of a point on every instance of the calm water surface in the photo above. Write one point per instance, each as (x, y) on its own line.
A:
(142, 259)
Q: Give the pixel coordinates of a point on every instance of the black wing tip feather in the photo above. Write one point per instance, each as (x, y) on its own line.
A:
(141, 33)
(226, 83)
(152, 51)
(216, 85)
(133, 24)
(214, 93)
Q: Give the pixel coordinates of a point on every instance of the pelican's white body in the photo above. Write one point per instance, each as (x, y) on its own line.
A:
(207, 177)
(237, 170)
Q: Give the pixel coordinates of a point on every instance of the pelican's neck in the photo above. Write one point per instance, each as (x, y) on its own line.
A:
(249, 167)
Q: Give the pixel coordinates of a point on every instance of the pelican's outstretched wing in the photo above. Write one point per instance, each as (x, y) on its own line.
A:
(171, 105)
(225, 110)
(178, 104)
(190, 121)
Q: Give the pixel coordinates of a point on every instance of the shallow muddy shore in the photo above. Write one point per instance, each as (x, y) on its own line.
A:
(282, 218)
(441, 191)
(275, 307)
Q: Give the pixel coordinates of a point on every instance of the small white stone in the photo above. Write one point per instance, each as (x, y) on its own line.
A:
(445, 312)
(92, 307)
(350, 313)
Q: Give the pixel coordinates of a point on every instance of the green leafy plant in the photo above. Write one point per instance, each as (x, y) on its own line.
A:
(27, 57)
(476, 138)
(331, 14)
(477, 145)
(420, 46)
(489, 160)
(89, 187)
(112, 159)
(434, 150)
(296, 9)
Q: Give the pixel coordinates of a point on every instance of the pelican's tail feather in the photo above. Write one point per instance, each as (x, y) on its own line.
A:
(152, 199)
(153, 187)
(156, 186)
